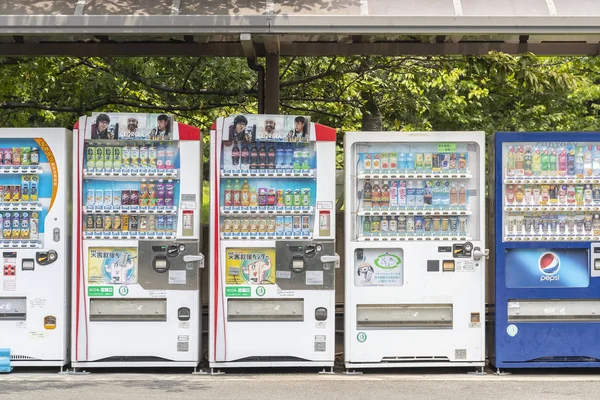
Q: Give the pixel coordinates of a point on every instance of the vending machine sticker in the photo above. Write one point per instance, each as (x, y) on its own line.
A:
(112, 265)
(177, 277)
(446, 148)
(374, 268)
(250, 266)
(188, 201)
(314, 278)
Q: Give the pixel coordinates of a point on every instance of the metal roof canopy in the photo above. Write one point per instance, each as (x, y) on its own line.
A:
(239, 28)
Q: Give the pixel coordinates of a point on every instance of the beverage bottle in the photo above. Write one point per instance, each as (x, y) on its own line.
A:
(510, 161)
(519, 194)
(254, 157)
(236, 194)
(289, 158)
(385, 195)
(376, 195)
(170, 152)
(245, 194)
(528, 162)
(245, 157)
(596, 162)
(579, 162)
(160, 156)
(228, 194)
(296, 159)
(536, 163)
(588, 195)
(367, 226)
(262, 156)
(235, 156)
(375, 225)
(519, 161)
(410, 194)
(367, 195)
(271, 157)
(562, 162)
(552, 161)
(545, 160)
(562, 194)
(510, 194)
(402, 194)
(253, 197)
(306, 158)
(528, 194)
(419, 194)
(453, 195)
(571, 161)
(587, 162)
(279, 157)
(596, 224)
(536, 195)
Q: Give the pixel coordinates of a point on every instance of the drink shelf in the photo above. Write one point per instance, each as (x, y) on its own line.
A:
(92, 173)
(163, 211)
(540, 180)
(363, 212)
(20, 244)
(20, 169)
(412, 238)
(260, 173)
(560, 208)
(273, 211)
(21, 206)
(267, 237)
(126, 235)
(417, 175)
(551, 238)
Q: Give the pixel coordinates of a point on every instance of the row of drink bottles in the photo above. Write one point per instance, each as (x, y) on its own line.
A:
(266, 156)
(552, 224)
(414, 194)
(414, 226)
(26, 191)
(123, 224)
(148, 195)
(553, 159)
(415, 162)
(289, 225)
(132, 157)
(19, 225)
(20, 156)
(245, 195)
(558, 195)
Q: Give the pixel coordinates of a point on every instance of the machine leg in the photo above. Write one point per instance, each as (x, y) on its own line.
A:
(480, 371)
(75, 371)
(352, 372)
(199, 371)
(501, 373)
(217, 372)
(325, 372)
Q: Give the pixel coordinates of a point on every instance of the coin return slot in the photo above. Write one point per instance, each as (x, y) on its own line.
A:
(28, 264)
(448, 265)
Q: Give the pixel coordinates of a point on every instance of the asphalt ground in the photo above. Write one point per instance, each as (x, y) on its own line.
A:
(413, 384)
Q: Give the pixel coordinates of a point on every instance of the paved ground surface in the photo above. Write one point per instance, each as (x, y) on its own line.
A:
(379, 385)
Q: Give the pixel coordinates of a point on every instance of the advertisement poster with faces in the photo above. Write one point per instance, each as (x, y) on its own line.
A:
(267, 128)
(130, 126)
(378, 267)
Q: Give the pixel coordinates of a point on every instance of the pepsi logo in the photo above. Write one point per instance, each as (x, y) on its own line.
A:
(549, 263)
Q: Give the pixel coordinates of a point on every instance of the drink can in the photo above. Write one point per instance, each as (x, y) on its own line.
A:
(571, 226)
(393, 226)
(436, 225)
(99, 200)
(107, 226)
(427, 225)
(7, 225)
(160, 223)
(125, 197)
(453, 224)
(116, 199)
(169, 223)
(16, 225)
(35, 156)
(125, 223)
(462, 224)
(134, 197)
(562, 224)
(117, 157)
(34, 226)
(144, 194)
(519, 224)
(108, 199)
(510, 225)
(33, 188)
(297, 225)
(262, 227)
(588, 224)
(445, 225)
(98, 222)
(151, 223)
(135, 156)
(16, 156)
(384, 226)
(279, 223)
(24, 225)
(143, 223)
(89, 223)
(26, 156)
(384, 159)
(144, 157)
(537, 220)
(151, 194)
(6, 196)
(116, 225)
(419, 225)
(126, 156)
(528, 223)
(410, 225)
(152, 157)
(288, 225)
(7, 157)
(108, 157)
(306, 225)
(271, 226)
(90, 198)
(15, 193)
(99, 157)
(1, 158)
(25, 187)
(306, 197)
(133, 223)
(545, 224)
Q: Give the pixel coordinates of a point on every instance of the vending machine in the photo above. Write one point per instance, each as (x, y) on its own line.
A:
(137, 204)
(547, 250)
(415, 249)
(272, 239)
(34, 241)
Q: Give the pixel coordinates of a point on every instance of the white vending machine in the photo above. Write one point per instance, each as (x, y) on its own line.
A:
(415, 249)
(136, 228)
(272, 242)
(34, 242)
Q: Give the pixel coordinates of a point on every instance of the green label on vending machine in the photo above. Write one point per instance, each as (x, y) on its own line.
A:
(238, 291)
(100, 291)
(446, 147)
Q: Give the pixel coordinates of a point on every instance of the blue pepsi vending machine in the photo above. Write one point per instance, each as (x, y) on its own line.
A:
(547, 252)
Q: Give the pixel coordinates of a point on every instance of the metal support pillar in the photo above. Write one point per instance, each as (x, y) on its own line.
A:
(272, 85)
